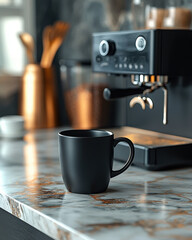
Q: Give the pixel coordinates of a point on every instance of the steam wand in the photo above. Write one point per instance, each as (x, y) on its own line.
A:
(165, 98)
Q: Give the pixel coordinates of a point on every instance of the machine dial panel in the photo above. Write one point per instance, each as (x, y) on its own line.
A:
(121, 52)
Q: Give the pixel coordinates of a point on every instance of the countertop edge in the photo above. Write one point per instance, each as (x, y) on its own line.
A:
(38, 220)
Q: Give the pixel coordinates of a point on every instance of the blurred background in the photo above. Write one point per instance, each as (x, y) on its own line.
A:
(72, 62)
(84, 17)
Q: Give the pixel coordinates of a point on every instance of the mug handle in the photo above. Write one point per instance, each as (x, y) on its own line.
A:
(129, 160)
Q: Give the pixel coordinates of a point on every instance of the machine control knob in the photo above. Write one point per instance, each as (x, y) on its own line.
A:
(106, 47)
(140, 43)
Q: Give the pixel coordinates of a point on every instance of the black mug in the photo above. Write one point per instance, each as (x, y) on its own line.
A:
(86, 158)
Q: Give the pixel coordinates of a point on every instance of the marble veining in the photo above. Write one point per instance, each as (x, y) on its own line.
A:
(138, 204)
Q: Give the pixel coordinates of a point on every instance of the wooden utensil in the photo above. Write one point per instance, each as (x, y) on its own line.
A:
(47, 35)
(53, 37)
(28, 43)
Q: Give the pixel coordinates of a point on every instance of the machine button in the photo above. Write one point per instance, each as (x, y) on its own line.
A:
(125, 65)
(98, 58)
(140, 43)
(120, 65)
(130, 66)
(116, 65)
(106, 48)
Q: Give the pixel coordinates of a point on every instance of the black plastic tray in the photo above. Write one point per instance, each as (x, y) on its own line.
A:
(155, 151)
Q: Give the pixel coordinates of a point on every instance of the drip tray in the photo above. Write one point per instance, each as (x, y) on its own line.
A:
(153, 150)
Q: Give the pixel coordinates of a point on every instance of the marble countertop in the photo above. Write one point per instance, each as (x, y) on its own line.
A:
(138, 204)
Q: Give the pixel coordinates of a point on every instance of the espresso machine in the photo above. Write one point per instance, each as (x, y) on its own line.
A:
(149, 59)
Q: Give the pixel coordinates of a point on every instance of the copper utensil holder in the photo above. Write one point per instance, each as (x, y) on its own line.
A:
(38, 98)
(86, 106)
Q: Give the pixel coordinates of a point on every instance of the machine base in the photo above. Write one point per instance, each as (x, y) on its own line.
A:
(154, 151)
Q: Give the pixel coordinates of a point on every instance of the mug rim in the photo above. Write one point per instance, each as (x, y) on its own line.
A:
(12, 118)
(68, 133)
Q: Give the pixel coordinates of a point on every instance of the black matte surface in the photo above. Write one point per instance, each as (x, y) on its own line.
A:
(86, 158)
(158, 158)
(12, 228)
(167, 52)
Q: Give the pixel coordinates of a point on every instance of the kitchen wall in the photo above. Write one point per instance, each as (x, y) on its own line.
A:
(15, 17)
(84, 17)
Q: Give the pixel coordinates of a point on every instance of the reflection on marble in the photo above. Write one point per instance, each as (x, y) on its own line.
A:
(138, 204)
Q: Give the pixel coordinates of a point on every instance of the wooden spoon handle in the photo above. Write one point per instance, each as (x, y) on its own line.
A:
(46, 45)
(52, 52)
(30, 56)
(45, 57)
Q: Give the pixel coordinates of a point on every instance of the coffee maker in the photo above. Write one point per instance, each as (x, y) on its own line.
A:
(150, 59)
